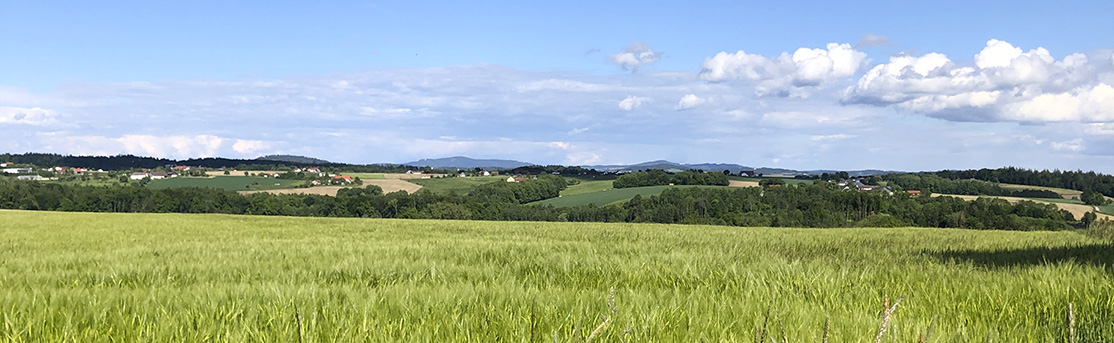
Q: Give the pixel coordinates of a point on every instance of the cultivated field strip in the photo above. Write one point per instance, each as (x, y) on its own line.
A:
(85, 277)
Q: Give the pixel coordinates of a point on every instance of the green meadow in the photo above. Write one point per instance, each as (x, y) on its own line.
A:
(460, 185)
(604, 196)
(85, 277)
(232, 183)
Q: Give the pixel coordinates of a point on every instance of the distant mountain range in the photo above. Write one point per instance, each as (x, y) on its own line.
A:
(461, 162)
(733, 168)
(455, 162)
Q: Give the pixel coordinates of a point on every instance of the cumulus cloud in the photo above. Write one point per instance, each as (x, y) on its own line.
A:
(787, 73)
(632, 102)
(636, 54)
(27, 116)
(1004, 84)
(869, 39)
(172, 146)
(689, 101)
(576, 131)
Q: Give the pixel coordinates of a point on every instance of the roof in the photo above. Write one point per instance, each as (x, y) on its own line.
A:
(913, 192)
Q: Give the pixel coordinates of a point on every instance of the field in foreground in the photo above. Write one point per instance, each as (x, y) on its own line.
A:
(171, 277)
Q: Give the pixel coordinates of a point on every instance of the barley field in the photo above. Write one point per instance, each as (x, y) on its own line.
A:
(88, 277)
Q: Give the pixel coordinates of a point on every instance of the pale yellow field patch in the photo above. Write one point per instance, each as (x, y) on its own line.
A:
(737, 183)
(388, 186)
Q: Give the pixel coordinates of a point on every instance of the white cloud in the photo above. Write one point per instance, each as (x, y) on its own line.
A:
(739, 65)
(1071, 145)
(1005, 84)
(788, 74)
(869, 39)
(148, 145)
(636, 54)
(831, 137)
(560, 145)
(28, 116)
(246, 146)
(582, 158)
(689, 101)
(576, 131)
(632, 102)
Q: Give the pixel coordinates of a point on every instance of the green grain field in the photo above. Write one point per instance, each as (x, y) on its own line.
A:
(606, 196)
(588, 187)
(81, 277)
(460, 185)
(232, 183)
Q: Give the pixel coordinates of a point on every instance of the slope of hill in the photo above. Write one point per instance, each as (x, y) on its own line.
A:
(467, 163)
(293, 159)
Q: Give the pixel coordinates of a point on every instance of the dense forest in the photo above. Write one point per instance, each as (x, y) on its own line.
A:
(816, 205)
(1077, 180)
(660, 178)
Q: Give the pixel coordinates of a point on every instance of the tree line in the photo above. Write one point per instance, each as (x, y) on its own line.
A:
(935, 184)
(1077, 180)
(816, 205)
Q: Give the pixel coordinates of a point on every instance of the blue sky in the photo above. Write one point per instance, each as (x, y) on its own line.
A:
(804, 85)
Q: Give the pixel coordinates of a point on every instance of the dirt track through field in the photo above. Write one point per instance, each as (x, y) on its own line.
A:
(388, 186)
(1077, 210)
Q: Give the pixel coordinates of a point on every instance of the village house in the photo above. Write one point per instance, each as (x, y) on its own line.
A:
(153, 176)
(17, 170)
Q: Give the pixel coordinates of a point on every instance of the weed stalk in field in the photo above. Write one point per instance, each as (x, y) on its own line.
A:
(886, 318)
(1071, 323)
(606, 318)
(827, 328)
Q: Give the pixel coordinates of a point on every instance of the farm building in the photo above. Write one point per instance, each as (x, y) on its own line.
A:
(153, 176)
(31, 177)
(17, 170)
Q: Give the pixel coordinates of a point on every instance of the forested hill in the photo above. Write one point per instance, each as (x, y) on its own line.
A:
(1077, 180)
(293, 159)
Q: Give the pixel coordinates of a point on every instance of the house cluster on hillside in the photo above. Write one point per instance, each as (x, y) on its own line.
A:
(858, 185)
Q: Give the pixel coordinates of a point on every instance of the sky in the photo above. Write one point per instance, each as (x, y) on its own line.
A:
(802, 85)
